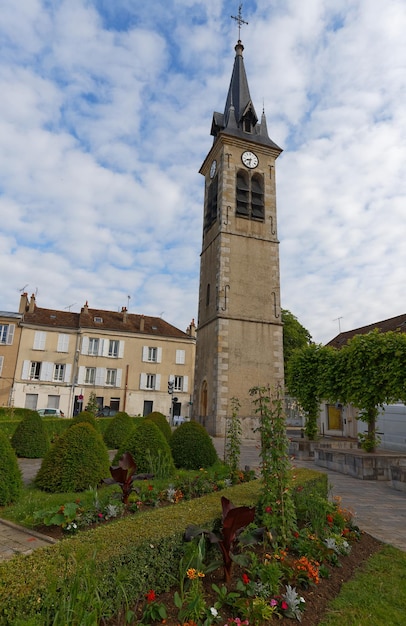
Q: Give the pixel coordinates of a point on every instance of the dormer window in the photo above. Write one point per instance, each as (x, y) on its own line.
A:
(98, 320)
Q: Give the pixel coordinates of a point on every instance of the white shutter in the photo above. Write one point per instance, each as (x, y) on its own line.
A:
(68, 372)
(25, 375)
(157, 382)
(46, 371)
(1, 363)
(63, 343)
(143, 381)
(101, 347)
(159, 355)
(85, 345)
(185, 383)
(81, 375)
(104, 347)
(121, 349)
(100, 376)
(39, 340)
(145, 353)
(118, 378)
(10, 334)
(180, 357)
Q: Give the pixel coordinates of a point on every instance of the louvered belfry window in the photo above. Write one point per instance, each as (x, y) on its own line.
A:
(211, 208)
(250, 196)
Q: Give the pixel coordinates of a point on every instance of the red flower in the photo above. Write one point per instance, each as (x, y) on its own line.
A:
(330, 519)
(151, 597)
(150, 487)
(245, 579)
(296, 534)
(268, 509)
(284, 605)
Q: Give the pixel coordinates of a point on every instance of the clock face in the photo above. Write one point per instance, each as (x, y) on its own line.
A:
(213, 169)
(249, 159)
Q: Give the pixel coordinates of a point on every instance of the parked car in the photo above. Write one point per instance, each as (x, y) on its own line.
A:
(51, 413)
(179, 419)
(106, 412)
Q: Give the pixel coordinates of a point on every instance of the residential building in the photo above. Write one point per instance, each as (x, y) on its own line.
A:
(9, 342)
(341, 420)
(125, 359)
(239, 334)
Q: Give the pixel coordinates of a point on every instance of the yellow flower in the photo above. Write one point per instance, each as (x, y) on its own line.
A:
(191, 573)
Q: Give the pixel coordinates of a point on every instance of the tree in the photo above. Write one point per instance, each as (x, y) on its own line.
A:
(372, 373)
(304, 376)
(294, 335)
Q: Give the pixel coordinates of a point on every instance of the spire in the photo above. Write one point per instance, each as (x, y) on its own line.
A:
(239, 117)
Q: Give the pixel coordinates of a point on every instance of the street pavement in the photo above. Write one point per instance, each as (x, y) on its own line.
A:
(378, 509)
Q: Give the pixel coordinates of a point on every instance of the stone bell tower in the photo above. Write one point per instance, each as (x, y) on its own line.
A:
(239, 335)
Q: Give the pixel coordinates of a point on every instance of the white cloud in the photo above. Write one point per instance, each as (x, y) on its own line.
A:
(105, 119)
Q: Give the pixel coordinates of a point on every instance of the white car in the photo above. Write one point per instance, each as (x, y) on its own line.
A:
(50, 413)
(178, 420)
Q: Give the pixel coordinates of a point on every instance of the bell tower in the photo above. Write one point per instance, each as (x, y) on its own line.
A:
(239, 335)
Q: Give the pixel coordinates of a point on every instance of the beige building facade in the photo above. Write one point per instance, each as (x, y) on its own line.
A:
(125, 359)
(10, 332)
(239, 336)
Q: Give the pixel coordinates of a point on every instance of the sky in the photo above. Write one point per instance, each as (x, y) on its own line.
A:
(105, 117)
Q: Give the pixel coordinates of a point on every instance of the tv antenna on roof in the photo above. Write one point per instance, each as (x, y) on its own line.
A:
(23, 288)
(239, 20)
(69, 306)
(338, 319)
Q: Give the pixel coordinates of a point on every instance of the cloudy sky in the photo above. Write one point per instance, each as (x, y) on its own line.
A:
(105, 116)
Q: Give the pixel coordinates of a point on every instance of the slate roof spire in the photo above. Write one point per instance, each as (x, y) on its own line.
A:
(239, 117)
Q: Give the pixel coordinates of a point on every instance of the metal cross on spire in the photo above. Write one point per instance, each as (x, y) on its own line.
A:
(240, 21)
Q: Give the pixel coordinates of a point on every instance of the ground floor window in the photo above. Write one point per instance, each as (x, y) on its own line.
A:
(31, 401)
(148, 404)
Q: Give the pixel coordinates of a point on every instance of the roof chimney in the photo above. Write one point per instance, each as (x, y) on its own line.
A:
(191, 329)
(32, 305)
(23, 303)
(125, 314)
(142, 323)
(85, 309)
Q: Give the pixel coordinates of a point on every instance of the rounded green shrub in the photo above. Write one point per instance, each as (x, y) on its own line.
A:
(149, 449)
(78, 460)
(84, 416)
(118, 430)
(30, 439)
(160, 420)
(192, 447)
(10, 474)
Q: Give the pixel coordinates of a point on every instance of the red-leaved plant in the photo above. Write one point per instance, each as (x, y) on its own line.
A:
(124, 475)
(234, 520)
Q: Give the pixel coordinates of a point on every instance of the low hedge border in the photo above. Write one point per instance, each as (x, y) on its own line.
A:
(140, 552)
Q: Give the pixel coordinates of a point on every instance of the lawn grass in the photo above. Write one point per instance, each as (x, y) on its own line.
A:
(375, 596)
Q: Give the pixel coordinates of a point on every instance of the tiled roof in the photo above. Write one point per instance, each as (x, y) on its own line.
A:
(394, 323)
(104, 320)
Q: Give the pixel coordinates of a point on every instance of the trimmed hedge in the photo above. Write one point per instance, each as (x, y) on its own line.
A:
(30, 439)
(131, 556)
(119, 428)
(160, 420)
(77, 460)
(192, 446)
(11, 481)
(83, 416)
(150, 450)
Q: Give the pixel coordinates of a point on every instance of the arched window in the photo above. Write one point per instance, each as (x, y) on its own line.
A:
(211, 207)
(242, 194)
(257, 197)
(250, 196)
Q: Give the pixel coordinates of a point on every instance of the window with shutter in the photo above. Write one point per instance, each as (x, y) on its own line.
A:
(39, 340)
(63, 343)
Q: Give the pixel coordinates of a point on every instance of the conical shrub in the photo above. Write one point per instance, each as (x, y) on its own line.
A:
(118, 430)
(10, 474)
(78, 460)
(149, 449)
(192, 447)
(30, 439)
(84, 416)
(160, 420)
